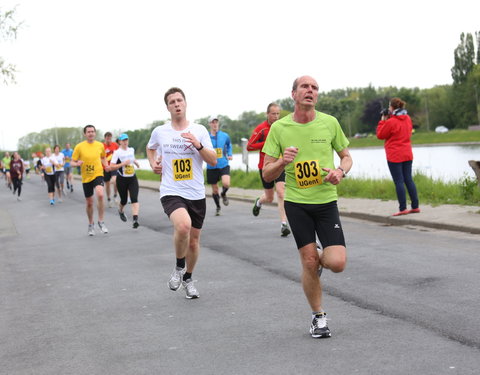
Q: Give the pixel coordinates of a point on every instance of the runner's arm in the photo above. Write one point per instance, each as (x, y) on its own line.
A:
(334, 176)
(273, 167)
(254, 142)
(155, 163)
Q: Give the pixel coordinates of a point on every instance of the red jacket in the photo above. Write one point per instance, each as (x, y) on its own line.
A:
(257, 140)
(396, 131)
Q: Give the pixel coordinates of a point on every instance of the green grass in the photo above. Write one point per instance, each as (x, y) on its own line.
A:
(420, 138)
(143, 174)
(465, 191)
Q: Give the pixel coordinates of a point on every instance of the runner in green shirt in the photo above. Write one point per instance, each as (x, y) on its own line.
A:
(302, 145)
(6, 169)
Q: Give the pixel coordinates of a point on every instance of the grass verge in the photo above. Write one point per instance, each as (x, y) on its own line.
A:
(465, 191)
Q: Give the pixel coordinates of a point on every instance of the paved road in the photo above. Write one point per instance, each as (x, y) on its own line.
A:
(71, 304)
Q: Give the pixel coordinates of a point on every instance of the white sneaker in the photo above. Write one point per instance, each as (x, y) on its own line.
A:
(176, 278)
(102, 227)
(190, 289)
(318, 327)
(91, 229)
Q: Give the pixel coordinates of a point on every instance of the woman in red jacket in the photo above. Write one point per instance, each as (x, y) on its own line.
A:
(396, 129)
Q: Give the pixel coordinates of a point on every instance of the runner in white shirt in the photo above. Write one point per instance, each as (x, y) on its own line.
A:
(123, 160)
(177, 151)
(59, 171)
(48, 166)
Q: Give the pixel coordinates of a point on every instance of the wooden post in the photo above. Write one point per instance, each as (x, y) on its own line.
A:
(476, 168)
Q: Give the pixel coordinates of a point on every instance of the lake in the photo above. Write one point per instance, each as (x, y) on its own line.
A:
(447, 163)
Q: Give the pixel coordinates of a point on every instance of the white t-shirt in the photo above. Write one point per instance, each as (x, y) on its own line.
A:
(182, 164)
(48, 163)
(60, 158)
(119, 156)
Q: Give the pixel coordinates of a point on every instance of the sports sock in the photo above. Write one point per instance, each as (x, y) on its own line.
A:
(181, 263)
(187, 276)
(216, 199)
(224, 190)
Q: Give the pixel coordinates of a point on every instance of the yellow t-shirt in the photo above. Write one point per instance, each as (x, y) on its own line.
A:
(90, 154)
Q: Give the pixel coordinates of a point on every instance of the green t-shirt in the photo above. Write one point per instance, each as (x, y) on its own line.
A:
(316, 142)
(6, 162)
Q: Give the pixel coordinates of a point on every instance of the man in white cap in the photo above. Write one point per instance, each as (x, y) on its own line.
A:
(223, 147)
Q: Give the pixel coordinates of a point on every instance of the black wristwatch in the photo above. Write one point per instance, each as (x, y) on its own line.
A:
(343, 171)
(200, 148)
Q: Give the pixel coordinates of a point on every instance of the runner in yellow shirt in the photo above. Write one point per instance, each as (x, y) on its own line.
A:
(89, 155)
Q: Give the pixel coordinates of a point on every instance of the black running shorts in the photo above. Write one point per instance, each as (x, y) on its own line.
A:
(196, 208)
(89, 187)
(270, 185)
(306, 220)
(214, 175)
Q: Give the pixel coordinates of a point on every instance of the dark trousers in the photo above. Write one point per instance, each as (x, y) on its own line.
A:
(17, 185)
(402, 176)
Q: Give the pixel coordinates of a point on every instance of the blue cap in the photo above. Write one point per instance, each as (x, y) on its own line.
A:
(123, 136)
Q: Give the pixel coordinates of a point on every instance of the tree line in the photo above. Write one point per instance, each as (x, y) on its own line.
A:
(455, 106)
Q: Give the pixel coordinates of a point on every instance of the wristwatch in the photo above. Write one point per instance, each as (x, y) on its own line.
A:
(343, 171)
(200, 148)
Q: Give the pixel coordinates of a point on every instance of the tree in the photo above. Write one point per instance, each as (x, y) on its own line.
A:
(464, 57)
(8, 31)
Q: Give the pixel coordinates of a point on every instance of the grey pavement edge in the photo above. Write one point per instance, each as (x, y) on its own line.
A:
(447, 217)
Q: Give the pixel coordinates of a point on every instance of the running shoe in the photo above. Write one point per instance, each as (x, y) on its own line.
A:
(91, 230)
(122, 215)
(320, 267)
(176, 278)
(285, 230)
(110, 203)
(71, 188)
(400, 213)
(319, 328)
(217, 211)
(135, 224)
(19, 199)
(52, 202)
(103, 228)
(68, 185)
(191, 291)
(414, 211)
(256, 209)
(225, 199)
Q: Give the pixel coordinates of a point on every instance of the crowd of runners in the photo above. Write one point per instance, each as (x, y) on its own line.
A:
(296, 161)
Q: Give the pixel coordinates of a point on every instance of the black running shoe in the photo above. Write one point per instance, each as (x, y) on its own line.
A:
(319, 328)
(256, 209)
(225, 199)
(122, 215)
(217, 211)
(285, 230)
(135, 224)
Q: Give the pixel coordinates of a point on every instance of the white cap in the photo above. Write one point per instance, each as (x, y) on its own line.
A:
(212, 117)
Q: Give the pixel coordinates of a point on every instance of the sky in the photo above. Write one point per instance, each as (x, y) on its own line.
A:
(109, 63)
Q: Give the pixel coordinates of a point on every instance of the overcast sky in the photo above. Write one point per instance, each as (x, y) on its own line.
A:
(108, 63)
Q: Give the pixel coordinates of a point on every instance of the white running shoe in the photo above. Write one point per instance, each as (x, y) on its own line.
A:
(102, 227)
(176, 278)
(190, 289)
(91, 229)
(319, 328)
